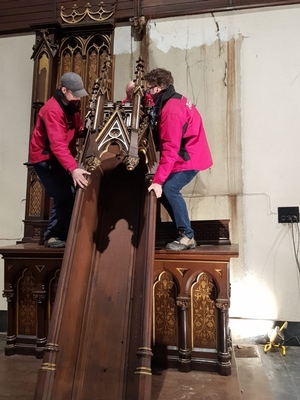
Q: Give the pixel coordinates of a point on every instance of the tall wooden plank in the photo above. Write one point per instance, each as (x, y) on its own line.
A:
(99, 343)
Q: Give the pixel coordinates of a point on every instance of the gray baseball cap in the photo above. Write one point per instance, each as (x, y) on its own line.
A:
(74, 83)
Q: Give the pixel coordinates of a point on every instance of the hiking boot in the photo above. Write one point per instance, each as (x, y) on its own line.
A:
(182, 243)
(55, 242)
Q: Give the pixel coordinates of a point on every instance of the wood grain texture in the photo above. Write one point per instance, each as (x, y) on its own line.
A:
(17, 16)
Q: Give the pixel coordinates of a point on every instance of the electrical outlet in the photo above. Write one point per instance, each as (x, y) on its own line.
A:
(288, 214)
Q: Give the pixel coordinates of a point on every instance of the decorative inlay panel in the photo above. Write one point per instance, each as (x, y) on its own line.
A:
(165, 310)
(203, 313)
(35, 195)
(27, 304)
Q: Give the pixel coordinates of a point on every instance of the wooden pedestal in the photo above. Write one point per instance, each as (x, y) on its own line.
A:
(31, 274)
(191, 296)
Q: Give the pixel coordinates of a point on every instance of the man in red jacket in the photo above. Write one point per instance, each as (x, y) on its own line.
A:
(184, 151)
(52, 152)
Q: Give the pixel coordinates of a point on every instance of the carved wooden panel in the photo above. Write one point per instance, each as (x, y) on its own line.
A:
(86, 55)
(204, 313)
(31, 278)
(157, 8)
(203, 326)
(198, 284)
(168, 8)
(84, 51)
(26, 315)
(165, 321)
(35, 195)
(205, 232)
(191, 297)
(17, 15)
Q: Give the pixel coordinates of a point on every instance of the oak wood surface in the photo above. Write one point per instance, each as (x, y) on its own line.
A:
(17, 16)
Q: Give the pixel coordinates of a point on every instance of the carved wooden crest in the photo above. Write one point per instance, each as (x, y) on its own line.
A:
(125, 125)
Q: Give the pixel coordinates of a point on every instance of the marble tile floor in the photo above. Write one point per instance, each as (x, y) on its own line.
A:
(255, 376)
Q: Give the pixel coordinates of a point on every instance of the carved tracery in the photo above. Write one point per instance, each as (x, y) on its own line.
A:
(125, 126)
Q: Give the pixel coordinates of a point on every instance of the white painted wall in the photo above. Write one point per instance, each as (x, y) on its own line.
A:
(16, 71)
(247, 182)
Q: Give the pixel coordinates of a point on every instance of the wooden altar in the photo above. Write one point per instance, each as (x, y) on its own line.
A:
(191, 298)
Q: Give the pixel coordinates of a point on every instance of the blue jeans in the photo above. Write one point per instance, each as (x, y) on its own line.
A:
(174, 203)
(59, 186)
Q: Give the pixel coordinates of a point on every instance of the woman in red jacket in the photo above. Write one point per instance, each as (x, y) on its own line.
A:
(52, 152)
(184, 151)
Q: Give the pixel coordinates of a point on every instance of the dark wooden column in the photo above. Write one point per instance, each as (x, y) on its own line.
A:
(184, 360)
(224, 356)
(9, 294)
(41, 331)
(143, 371)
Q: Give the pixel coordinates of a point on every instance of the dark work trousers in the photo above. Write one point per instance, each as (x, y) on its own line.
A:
(174, 202)
(59, 186)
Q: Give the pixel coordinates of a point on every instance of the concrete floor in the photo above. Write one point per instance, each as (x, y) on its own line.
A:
(255, 376)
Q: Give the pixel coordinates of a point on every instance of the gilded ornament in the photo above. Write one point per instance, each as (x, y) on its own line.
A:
(131, 162)
(75, 17)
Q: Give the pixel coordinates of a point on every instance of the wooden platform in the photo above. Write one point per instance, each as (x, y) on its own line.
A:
(175, 285)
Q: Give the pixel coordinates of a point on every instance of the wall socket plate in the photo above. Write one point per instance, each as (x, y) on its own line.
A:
(288, 215)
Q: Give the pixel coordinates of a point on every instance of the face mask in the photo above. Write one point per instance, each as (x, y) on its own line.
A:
(73, 106)
(155, 96)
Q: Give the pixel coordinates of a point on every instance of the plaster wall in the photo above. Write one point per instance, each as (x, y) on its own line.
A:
(16, 87)
(242, 70)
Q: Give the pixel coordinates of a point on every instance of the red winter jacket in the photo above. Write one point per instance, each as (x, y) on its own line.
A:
(183, 143)
(55, 135)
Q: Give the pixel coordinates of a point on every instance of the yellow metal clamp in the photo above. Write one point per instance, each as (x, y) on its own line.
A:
(274, 334)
